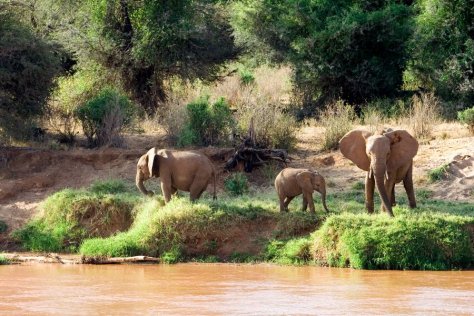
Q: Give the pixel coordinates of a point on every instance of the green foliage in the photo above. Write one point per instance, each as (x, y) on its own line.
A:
(443, 49)
(467, 117)
(70, 216)
(294, 251)
(104, 116)
(145, 43)
(209, 124)
(439, 173)
(28, 67)
(3, 260)
(359, 185)
(174, 255)
(3, 226)
(354, 50)
(236, 184)
(246, 77)
(425, 242)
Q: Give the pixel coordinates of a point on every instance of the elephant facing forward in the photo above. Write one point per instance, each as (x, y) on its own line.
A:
(387, 158)
(178, 170)
(291, 182)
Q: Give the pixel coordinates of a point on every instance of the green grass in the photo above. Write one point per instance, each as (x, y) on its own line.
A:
(250, 228)
(439, 173)
(70, 216)
(420, 241)
(3, 260)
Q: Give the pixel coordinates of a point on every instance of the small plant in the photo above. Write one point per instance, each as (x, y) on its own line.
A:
(246, 77)
(172, 256)
(439, 173)
(104, 116)
(424, 115)
(3, 260)
(359, 185)
(3, 226)
(467, 117)
(236, 184)
(337, 119)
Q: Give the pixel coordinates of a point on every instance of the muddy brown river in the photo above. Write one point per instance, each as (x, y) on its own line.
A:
(223, 289)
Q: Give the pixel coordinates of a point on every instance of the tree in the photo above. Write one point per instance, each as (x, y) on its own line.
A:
(443, 49)
(28, 67)
(143, 43)
(350, 49)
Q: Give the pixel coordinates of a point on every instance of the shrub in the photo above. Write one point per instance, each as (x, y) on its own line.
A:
(236, 184)
(28, 67)
(423, 115)
(438, 173)
(208, 124)
(104, 116)
(3, 226)
(337, 119)
(246, 77)
(467, 117)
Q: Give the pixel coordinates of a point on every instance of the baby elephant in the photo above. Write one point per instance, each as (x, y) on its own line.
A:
(292, 182)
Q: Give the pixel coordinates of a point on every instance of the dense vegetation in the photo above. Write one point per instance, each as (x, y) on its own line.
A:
(57, 55)
(437, 235)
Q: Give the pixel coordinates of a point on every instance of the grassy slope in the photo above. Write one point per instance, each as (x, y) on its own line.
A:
(437, 235)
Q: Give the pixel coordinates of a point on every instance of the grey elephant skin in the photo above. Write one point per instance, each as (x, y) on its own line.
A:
(291, 182)
(178, 170)
(387, 158)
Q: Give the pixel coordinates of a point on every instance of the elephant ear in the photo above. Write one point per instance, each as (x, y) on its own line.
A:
(304, 179)
(151, 156)
(402, 149)
(352, 146)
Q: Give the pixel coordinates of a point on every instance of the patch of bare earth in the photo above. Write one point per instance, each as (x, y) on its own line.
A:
(28, 175)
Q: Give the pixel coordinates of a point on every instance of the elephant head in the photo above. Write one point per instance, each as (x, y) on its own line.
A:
(379, 155)
(316, 181)
(147, 167)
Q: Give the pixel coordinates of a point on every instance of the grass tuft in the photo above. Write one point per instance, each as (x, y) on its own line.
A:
(439, 173)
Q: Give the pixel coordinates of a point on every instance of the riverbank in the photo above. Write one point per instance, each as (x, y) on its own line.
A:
(109, 219)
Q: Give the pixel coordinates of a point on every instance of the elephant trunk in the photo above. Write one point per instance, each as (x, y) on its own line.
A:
(139, 182)
(379, 169)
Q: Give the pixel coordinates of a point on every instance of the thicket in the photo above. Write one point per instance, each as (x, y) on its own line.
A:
(28, 67)
(467, 117)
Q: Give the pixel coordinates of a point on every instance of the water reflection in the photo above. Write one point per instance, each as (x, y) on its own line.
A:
(220, 289)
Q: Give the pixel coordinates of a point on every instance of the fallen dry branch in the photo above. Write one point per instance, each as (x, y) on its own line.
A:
(115, 260)
(75, 259)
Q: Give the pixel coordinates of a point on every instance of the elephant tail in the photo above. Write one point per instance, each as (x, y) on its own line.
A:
(214, 197)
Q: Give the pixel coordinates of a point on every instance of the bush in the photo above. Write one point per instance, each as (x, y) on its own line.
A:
(337, 119)
(236, 184)
(104, 116)
(422, 242)
(467, 117)
(208, 124)
(439, 173)
(246, 77)
(423, 115)
(28, 67)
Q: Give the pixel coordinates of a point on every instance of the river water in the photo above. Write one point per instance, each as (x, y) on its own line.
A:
(223, 289)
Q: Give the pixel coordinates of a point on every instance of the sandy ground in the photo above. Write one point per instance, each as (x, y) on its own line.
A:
(28, 175)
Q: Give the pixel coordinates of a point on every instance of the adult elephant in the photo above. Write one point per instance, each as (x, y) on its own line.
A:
(387, 158)
(178, 170)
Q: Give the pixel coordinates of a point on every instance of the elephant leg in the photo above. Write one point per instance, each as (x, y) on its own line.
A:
(196, 189)
(287, 201)
(389, 188)
(408, 184)
(369, 193)
(167, 190)
(305, 204)
(308, 196)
